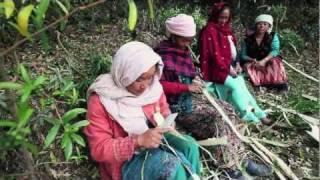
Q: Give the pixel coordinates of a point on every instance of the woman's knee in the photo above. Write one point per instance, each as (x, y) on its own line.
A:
(191, 145)
(154, 163)
(231, 83)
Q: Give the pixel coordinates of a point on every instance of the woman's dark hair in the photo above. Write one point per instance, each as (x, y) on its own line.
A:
(217, 9)
(158, 66)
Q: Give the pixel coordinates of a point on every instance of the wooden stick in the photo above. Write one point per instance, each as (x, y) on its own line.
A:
(279, 161)
(195, 58)
(294, 48)
(312, 98)
(213, 174)
(214, 141)
(223, 114)
(279, 174)
(287, 119)
(274, 143)
(208, 152)
(313, 122)
(276, 160)
(233, 128)
(302, 73)
(3, 53)
(306, 118)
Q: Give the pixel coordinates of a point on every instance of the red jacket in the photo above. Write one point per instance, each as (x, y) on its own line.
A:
(215, 54)
(174, 88)
(109, 144)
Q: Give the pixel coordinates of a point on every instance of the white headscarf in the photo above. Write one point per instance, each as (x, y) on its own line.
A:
(181, 25)
(265, 18)
(131, 61)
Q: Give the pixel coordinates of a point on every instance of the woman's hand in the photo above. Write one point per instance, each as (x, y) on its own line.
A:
(233, 72)
(251, 60)
(195, 88)
(151, 138)
(261, 64)
(238, 68)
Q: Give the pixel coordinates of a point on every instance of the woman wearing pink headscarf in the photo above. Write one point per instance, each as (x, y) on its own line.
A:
(179, 70)
(123, 135)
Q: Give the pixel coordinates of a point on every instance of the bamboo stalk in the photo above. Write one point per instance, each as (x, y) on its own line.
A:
(279, 161)
(214, 141)
(308, 119)
(175, 153)
(208, 152)
(302, 73)
(213, 174)
(287, 119)
(275, 143)
(294, 48)
(224, 116)
(195, 58)
(264, 157)
(276, 160)
(312, 98)
(151, 10)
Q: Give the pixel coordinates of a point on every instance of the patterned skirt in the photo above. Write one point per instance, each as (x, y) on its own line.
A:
(272, 74)
(162, 163)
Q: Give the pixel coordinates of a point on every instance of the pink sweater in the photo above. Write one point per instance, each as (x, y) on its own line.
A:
(109, 144)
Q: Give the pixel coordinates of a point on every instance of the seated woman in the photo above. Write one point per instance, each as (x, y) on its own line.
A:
(260, 56)
(179, 70)
(217, 52)
(123, 135)
(196, 115)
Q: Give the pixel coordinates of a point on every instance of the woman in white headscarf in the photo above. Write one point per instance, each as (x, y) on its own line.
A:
(260, 56)
(123, 135)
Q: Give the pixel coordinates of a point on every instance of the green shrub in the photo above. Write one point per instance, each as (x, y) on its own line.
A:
(195, 11)
(290, 39)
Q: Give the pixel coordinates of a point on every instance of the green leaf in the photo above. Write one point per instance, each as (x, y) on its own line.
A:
(51, 135)
(40, 80)
(65, 140)
(74, 96)
(151, 10)
(14, 25)
(7, 123)
(53, 121)
(53, 158)
(72, 114)
(23, 20)
(63, 8)
(10, 85)
(81, 123)
(9, 7)
(24, 116)
(68, 87)
(68, 150)
(31, 147)
(40, 11)
(38, 20)
(24, 74)
(26, 91)
(78, 139)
